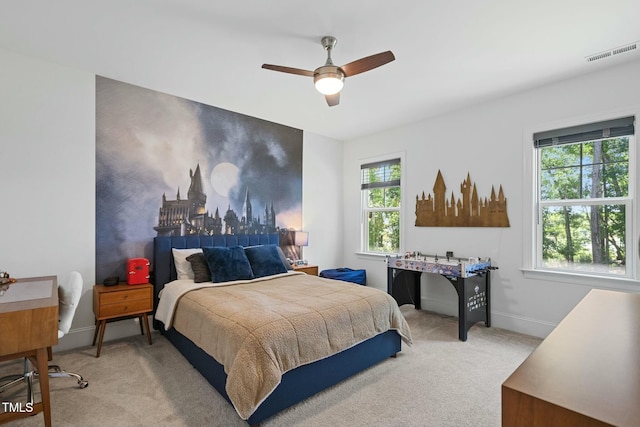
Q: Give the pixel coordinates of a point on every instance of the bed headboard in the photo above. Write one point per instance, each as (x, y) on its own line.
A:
(165, 270)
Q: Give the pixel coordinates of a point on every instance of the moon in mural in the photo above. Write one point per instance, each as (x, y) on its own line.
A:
(224, 177)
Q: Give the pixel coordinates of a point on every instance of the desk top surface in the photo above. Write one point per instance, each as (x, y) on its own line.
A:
(30, 293)
(590, 362)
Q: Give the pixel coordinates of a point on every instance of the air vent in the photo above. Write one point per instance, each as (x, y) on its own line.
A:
(613, 52)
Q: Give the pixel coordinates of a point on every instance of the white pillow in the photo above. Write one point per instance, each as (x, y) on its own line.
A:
(183, 267)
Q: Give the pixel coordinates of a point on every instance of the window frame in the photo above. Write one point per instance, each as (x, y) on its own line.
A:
(532, 233)
(365, 209)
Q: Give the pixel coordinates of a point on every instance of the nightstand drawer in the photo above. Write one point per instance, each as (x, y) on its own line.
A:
(125, 296)
(125, 308)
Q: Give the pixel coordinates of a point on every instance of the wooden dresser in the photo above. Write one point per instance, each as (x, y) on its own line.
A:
(586, 372)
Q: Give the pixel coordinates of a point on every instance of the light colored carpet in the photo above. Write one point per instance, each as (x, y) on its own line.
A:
(439, 381)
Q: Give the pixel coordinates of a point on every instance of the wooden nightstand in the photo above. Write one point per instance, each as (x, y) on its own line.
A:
(120, 302)
(309, 269)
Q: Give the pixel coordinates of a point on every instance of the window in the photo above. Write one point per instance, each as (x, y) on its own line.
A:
(585, 199)
(380, 187)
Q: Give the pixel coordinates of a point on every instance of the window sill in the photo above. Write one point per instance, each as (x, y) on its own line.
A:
(601, 282)
(372, 255)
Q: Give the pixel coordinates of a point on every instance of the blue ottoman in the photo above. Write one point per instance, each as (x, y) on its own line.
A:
(347, 275)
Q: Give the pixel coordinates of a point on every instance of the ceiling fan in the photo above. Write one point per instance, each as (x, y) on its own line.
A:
(329, 78)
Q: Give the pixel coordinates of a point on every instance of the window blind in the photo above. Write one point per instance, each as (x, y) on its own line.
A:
(588, 132)
(379, 174)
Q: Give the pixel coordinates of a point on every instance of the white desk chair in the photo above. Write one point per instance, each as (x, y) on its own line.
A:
(68, 298)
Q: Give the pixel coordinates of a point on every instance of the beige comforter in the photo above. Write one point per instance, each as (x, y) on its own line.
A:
(258, 331)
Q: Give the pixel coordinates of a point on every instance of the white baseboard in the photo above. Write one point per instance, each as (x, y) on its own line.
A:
(508, 321)
(82, 337)
(521, 324)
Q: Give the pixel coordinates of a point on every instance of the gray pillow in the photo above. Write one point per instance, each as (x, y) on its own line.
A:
(200, 267)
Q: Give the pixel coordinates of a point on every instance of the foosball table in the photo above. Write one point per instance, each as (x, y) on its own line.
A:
(471, 278)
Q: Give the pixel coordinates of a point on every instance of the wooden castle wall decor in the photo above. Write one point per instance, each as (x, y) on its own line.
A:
(468, 211)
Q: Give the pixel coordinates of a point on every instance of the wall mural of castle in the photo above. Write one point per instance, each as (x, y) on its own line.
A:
(170, 166)
(183, 217)
(470, 211)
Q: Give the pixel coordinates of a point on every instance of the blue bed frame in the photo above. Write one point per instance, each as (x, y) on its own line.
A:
(297, 384)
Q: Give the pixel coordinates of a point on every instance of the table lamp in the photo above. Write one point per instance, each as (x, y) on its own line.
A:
(300, 239)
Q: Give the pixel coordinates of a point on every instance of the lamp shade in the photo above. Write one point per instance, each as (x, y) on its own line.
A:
(301, 238)
(329, 85)
(328, 80)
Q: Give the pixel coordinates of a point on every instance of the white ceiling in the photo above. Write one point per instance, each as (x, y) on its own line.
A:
(449, 53)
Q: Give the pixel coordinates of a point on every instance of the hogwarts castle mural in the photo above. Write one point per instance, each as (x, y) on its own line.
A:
(182, 217)
(169, 166)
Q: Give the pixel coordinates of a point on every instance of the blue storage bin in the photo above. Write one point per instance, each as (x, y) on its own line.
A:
(347, 275)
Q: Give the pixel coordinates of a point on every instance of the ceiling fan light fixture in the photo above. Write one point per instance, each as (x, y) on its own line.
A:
(328, 81)
(329, 78)
(329, 85)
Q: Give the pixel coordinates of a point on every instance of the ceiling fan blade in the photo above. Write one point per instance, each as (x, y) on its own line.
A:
(333, 100)
(289, 70)
(368, 63)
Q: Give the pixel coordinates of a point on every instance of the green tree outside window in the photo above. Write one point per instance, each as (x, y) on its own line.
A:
(584, 194)
(381, 206)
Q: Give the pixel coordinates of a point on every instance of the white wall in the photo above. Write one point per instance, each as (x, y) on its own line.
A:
(47, 183)
(322, 200)
(487, 142)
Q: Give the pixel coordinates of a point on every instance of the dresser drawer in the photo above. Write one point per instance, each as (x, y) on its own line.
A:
(123, 296)
(125, 308)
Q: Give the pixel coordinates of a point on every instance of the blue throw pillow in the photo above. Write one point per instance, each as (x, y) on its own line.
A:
(265, 260)
(227, 264)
